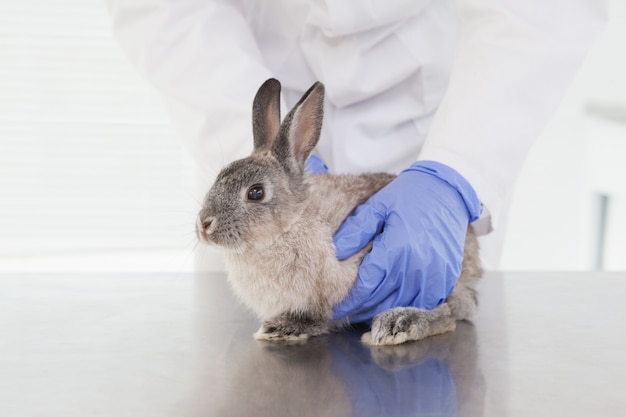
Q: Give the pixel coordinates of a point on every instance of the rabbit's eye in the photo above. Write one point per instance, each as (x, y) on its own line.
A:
(256, 193)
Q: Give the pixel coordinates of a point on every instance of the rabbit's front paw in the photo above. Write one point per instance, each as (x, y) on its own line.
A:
(402, 324)
(290, 327)
(271, 333)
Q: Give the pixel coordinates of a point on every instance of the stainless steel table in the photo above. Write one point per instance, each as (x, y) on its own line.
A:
(117, 345)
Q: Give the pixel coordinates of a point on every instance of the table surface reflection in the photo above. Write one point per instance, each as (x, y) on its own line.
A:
(543, 344)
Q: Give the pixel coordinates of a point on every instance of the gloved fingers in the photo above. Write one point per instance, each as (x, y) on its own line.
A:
(352, 306)
(358, 230)
(383, 274)
(315, 165)
(373, 291)
(397, 271)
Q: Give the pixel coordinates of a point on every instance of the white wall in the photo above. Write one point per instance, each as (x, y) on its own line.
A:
(553, 220)
(92, 176)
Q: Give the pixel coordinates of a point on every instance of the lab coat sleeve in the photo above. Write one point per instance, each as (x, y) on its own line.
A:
(513, 63)
(202, 57)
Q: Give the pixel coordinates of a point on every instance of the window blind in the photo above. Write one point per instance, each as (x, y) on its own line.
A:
(92, 176)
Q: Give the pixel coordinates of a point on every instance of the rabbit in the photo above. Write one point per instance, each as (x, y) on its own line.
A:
(275, 223)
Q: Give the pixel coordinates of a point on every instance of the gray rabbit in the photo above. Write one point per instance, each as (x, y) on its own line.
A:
(275, 223)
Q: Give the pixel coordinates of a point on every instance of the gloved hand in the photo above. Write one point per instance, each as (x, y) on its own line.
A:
(418, 223)
(315, 165)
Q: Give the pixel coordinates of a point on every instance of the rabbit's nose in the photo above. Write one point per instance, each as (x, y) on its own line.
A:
(202, 227)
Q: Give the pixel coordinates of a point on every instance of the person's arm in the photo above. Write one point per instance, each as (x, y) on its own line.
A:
(514, 61)
(203, 59)
(513, 64)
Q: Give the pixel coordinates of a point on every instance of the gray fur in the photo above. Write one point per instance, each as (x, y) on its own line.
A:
(293, 326)
(279, 250)
(266, 114)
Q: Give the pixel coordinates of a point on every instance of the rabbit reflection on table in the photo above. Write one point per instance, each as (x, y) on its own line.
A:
(275, 223)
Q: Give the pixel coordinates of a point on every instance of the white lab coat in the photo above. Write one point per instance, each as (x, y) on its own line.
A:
(469, 83)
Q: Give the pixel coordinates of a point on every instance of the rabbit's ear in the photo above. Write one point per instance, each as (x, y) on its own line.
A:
(301, 128)
(266, 114)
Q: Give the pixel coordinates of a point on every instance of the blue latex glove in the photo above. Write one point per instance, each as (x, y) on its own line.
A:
(418, 223)
(315, 165)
